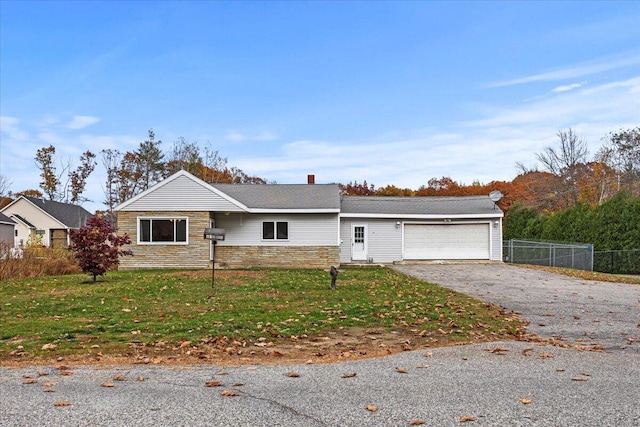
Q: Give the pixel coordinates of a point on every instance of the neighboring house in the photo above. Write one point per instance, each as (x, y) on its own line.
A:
(44, 222)
(301, 225)
(7, 231)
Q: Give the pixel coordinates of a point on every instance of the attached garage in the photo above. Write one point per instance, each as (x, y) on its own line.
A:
(449, 241)
(397, 229)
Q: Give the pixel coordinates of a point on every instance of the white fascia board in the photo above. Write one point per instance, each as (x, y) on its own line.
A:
(41, 210)
(20, 222)
(295, 211)
(180, 173)
(421, 216)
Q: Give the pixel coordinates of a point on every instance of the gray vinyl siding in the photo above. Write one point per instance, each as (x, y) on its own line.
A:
(244, 229)
(6, 234)
(384, 240)
(496, 240)
(182, 194)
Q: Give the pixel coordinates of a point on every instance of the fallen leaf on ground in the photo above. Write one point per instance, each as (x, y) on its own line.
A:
(213, 383)
(417, 422)
(372, 408)
(49, 384)
(66, 372)
(526, 401)
(466, 418)
(228, 393)
(140, 378)
(62, 404)
(402, 370)
(30, 381)
(349, 375)
(238, 384)
(293, 374)
(579, 379)
(119, 378)
(48, 390)
(527, 351)
(497, 350)
(106, 384)
(545, 356)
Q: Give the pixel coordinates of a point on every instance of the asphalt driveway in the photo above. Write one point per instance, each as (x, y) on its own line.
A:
(490, 384)
(581, 313)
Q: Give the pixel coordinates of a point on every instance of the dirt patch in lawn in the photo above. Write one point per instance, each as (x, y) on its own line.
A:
(332, 347)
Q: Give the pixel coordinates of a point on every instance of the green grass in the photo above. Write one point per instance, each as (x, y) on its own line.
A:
(128, 309)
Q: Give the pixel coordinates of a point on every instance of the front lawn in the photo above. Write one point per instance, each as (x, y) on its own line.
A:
(156, 316)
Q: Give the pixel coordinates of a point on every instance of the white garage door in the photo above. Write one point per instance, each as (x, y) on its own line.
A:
(450, 241)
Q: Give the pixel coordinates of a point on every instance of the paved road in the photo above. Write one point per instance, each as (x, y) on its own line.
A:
(496, 384)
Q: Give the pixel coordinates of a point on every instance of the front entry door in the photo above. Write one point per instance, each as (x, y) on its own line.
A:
(359, 242)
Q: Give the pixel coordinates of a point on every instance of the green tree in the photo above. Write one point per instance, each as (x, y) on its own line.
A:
(149, 158)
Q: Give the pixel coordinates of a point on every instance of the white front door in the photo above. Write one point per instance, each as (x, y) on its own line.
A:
(359, 242)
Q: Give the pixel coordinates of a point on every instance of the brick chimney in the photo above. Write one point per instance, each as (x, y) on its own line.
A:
(311, 179)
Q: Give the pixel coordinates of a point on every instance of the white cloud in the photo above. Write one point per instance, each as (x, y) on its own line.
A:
(576, 71)
(81, 122)
(9, 127)
(235, 136)
(567, 88)
(486, 149)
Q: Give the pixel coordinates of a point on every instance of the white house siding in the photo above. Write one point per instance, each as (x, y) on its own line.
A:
(182, 194)
(384, 240)
(304, 229)
(496, 240)
(312, 242)
(35, 216)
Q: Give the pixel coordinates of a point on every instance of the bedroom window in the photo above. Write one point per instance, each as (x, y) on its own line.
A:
(162, 230)
(275, 230)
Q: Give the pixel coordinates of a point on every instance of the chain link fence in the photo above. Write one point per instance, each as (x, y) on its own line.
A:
(617, 262)
(551, 254)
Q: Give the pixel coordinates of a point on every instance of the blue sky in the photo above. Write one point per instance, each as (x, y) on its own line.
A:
(391, 92)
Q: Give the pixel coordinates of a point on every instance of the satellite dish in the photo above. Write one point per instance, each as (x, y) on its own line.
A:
(495, 196)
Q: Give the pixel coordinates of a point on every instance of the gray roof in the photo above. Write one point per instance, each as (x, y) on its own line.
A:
(468, 205)
(284, 196)
(5, 219)
(73, 216)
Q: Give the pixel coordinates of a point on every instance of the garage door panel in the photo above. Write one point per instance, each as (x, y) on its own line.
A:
(450, 241)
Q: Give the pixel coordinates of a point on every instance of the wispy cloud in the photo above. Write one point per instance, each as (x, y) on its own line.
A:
(235, 136)
(81, 122)
(567, 88)
(576, 71)
(9, 127)
(486, 149)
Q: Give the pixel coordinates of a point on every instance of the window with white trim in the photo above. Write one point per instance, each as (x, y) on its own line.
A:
(162, 230)
(275, 230)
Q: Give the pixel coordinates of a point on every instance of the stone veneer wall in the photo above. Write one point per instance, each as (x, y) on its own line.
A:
(277, 256)
(194, 255)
